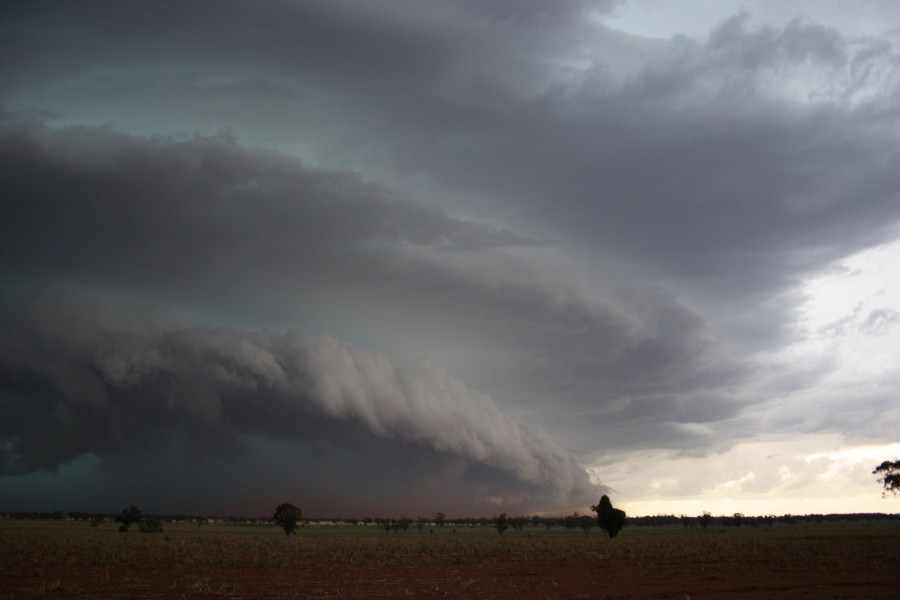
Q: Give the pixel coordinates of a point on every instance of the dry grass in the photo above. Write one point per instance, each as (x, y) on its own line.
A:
(38, 560)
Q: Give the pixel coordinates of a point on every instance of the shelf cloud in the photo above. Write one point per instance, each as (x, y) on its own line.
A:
(493, 253)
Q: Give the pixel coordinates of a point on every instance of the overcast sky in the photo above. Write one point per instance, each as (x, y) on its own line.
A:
(407, 256)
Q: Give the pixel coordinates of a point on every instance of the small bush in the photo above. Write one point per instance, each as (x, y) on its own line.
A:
(150, 525)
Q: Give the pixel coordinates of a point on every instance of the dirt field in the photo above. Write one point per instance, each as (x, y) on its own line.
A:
(75, 561)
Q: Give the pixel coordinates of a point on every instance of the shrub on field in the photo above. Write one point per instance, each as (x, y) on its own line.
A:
(287, 516)
(571, 521)
(128, 517)
(586, 523)
(150, 525)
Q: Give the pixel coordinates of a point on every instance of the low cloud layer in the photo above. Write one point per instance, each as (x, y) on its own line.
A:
(87, 378)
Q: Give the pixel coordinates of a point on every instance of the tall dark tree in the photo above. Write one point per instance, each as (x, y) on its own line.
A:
(501, 523)
(287, 516)
(890, 476)
(439, 519)
(611, 520)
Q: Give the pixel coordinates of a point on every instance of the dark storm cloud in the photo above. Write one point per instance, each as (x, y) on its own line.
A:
(174, 211)
(396, 44)
(81, 377)
(605, 233)
(197, 219)
(188, 219)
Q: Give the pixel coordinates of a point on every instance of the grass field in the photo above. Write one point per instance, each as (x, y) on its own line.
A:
(71, 559)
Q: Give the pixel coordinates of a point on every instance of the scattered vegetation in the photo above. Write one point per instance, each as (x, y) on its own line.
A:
(529, 523)
(130, 516)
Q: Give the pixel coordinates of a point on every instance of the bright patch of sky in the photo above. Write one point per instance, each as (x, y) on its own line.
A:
(851, 322)
(668, 18)
(806, 474)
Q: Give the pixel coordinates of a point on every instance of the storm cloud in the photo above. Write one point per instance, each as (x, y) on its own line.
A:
(512, 222)
(100, 380)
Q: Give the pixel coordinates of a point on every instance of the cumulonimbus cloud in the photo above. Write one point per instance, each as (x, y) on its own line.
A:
(102, 379)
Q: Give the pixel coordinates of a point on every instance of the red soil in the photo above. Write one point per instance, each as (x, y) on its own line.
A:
(612, 578)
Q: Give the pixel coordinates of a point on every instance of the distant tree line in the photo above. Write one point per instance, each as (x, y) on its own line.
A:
(574, 521)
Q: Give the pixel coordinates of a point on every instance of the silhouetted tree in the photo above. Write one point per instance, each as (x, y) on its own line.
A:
(439, 519)
(611, 520)
(287, 516)
(501, 523)
(890, 476)
(128, 517)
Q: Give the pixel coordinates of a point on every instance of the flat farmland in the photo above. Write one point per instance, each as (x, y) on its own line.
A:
(73, 560)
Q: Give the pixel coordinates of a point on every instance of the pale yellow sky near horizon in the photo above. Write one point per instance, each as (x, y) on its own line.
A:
(801, 473)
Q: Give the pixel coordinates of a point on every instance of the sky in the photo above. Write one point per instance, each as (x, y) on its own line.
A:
(397, 257)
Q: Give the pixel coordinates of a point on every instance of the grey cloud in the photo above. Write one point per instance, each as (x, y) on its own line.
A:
(177, 208)
(188, 218)
(796, 42)
(384, 44)
(863, 320)
(99, 379)
(205, 224)
(878, 320)
(465, 135)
